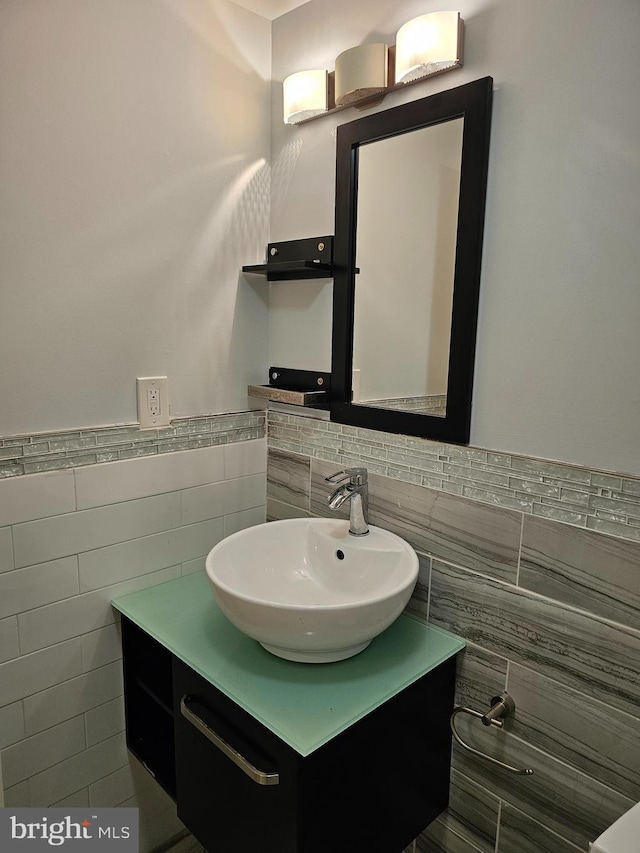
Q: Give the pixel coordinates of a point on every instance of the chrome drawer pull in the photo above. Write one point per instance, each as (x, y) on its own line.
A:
(256, 775)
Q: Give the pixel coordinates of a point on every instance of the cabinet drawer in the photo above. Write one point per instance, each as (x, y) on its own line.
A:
(229, 797)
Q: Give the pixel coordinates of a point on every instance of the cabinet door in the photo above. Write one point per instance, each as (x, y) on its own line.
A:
(228, 806)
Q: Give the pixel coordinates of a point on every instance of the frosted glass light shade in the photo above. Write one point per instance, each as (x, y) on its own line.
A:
(361, 72)
(305, 95)
(428, 44)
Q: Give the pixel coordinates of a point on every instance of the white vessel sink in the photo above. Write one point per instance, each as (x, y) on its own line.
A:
(309, 591)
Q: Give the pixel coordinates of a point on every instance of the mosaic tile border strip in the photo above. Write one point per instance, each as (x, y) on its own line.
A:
(596, 500)
(32, 454)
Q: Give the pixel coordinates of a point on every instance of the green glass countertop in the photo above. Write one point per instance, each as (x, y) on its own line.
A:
(304, 704)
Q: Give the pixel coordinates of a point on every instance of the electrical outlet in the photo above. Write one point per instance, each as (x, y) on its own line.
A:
(153, 401)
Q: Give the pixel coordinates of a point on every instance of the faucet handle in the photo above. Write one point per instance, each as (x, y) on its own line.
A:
(355, 476)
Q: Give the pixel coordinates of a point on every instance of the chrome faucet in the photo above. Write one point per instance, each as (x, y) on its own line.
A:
(352, 486)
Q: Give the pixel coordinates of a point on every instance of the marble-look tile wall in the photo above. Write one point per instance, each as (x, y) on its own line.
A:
(550, 611)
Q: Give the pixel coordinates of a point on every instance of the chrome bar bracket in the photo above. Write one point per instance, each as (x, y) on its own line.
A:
(502, 707)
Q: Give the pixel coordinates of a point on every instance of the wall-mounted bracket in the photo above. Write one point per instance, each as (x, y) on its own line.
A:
(296, 387)
(311, 257)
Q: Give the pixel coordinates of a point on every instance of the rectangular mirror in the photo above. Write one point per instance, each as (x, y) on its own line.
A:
(410, 194)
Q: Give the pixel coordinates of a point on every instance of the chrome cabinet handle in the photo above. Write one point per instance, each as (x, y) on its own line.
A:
(258, 776)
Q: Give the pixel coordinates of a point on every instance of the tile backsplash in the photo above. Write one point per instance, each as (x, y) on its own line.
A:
(54, 451)
(74, 534)
(537, 565)
(599, 500)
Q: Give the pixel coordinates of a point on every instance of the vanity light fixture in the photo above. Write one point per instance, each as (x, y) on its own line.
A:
(427, 45)
(305, 95)
(361, 72)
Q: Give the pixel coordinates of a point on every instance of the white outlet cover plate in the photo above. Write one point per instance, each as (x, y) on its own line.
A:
(147, 418)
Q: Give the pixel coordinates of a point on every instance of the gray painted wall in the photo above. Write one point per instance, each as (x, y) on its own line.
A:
(134, 167)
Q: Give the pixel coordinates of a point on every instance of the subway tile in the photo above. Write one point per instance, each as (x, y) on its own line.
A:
(78, 772)
(48, 538)
(582, 568)
(72, 697)
(524, 835)
(37, 753)
(161, 827)
(9, 647)
(191, 566)
(582, 651)
(241, 520)
(82, 614)
(17, 796)
(6, 550)
(564, 800)
(244, 458)
(77, 800)
(24, 589)
(31, 673)
(218, 499)
(131, 479)
(11, 724)
(101, 647)
(145, 793)
(598, 739)
(113, 789)
(36, 496)
(105, 721)
(289, 478)
(126, 560)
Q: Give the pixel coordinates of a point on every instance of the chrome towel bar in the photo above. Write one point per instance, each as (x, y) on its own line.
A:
(259, 776)
(502, 706)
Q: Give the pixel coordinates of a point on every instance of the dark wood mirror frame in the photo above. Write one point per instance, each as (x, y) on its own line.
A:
(473, 103)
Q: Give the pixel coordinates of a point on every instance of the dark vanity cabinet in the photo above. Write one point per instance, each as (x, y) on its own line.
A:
(239, 787)
(148, 694)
